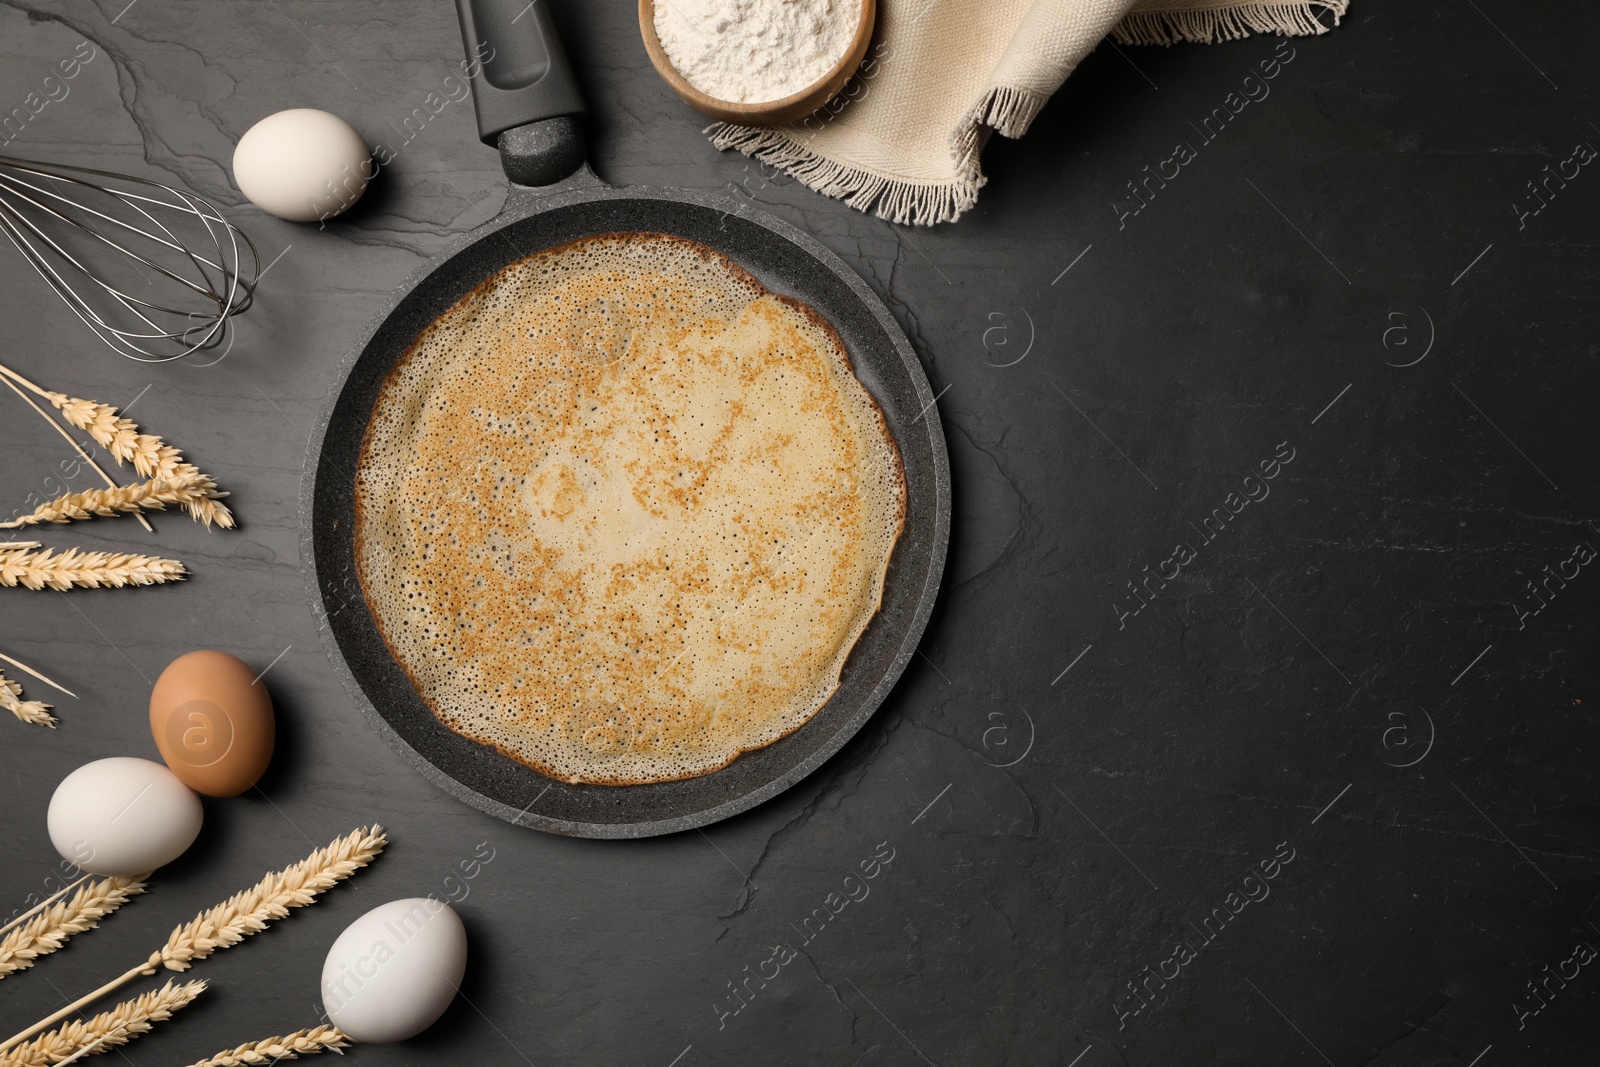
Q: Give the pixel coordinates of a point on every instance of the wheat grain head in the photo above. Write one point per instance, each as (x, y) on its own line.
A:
(50, 929)
(110, 1028)
(154, 495)
(24, 563)
(250, 911)
(237, 917)
(289, 1047)
(152, 457)
(36, 712)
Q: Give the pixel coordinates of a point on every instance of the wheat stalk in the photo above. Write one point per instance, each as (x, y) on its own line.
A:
(36, 712)
(50, 928)
(21, 917)
(115, 1027)
(290, 1047)
(248, 912)
(6, 376)
(24, 563)
(152, 457)
(241, 915)
(153, 495)
(25, 669)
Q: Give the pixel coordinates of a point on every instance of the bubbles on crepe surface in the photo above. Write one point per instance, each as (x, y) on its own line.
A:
(622, 514)
(395, 970)
(123, 816)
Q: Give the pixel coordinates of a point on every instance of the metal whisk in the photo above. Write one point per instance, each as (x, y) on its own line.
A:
(157, 271)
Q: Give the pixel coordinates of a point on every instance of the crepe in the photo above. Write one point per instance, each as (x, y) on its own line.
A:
(622, 513)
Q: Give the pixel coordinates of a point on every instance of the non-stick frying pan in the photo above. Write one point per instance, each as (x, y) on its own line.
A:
(527, 104)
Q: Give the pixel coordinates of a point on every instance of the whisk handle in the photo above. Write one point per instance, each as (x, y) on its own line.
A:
(519, 71)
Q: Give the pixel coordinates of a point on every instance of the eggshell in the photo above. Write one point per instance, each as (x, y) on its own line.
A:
(123, 816)
(302, 164)
(395, 970)
(212, 722)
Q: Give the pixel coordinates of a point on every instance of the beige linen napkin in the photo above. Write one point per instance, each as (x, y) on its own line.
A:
(902, 139)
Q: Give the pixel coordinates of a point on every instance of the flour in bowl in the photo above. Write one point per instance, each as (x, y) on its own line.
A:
(755, 51)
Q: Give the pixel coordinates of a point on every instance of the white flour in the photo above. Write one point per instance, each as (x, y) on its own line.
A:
(754, 51)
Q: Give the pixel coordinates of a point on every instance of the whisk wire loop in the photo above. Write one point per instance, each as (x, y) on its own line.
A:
(126, 227)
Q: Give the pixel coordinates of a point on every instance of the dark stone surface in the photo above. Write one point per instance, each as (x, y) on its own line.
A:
(1370, 199)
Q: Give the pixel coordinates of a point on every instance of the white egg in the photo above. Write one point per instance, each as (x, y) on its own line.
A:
(123, 816)
(395, 970)
(302, 165)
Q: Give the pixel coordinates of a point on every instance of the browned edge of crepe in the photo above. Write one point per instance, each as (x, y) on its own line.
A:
(743, 275)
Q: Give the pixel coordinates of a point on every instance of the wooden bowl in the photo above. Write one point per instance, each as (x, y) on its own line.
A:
(770, 112)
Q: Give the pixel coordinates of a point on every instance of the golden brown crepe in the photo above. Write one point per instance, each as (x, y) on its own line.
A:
(622, 514)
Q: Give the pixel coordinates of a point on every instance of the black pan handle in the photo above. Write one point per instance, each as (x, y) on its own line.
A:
(520, 72)
(523, 89)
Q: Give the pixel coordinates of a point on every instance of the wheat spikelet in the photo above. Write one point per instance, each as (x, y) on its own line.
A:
(152, 457)
(49, 930)
(153, 495)
(114, 433)
(10, 378)
(24, 563)
(36, 712)
(106, 1030)
(289, 1047)
(250, 911)
(117, 435)
(239, 916)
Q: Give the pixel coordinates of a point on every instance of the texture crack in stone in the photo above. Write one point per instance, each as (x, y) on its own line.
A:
(844, 782)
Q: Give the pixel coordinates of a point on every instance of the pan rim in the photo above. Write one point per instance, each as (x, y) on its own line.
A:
(522, 205)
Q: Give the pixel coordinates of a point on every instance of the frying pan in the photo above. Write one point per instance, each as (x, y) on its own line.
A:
(528, 106)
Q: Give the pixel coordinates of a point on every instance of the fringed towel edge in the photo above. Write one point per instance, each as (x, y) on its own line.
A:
(897, 200)
(1227, 23)
(1007, 110)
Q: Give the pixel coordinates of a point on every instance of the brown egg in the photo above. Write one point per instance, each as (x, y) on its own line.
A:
(212, 722)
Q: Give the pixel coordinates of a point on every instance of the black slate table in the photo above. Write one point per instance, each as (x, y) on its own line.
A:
(1239, 734)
